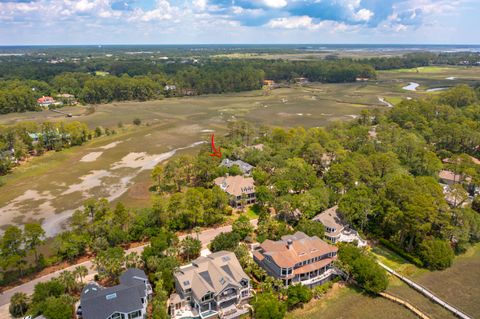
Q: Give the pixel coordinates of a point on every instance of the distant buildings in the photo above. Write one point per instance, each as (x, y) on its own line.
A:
(128, 300)
(212, 286)
(244, 167)
(301, 80)
(240, 189)
(449, 178)
(336, 230)
(66, 98)
(170, 87)
(361, 79)
(45, 101)
(269, 83)
(297, 258)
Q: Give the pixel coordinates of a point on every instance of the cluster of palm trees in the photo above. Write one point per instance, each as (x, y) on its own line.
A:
(72, 280)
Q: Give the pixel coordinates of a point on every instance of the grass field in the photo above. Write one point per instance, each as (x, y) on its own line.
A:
(422, 69)
(457, 285)
(350, 303)
(50, 188)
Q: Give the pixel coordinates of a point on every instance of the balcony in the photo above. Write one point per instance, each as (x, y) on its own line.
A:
(222, 298)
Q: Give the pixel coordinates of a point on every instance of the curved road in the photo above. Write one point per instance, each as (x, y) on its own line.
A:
(205, 237)
(427, 293)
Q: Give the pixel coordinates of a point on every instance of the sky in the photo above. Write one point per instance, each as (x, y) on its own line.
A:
(68, 22)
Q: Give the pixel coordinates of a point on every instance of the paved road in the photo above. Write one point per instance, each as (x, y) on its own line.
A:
(205, 237)
(427, 293)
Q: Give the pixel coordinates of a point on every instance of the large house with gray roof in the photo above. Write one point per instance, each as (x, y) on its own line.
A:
(298, 259)
(244, 167)
(128, 300)
(214, 286)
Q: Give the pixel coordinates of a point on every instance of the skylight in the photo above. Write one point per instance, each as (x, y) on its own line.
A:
(222, 281)
(111, 296)
(186, 283)
(226, 258)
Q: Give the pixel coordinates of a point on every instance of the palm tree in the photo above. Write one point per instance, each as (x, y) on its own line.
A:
(133, 260)
(67, 278)
(18, 304)
(196, 230)
(81, 272)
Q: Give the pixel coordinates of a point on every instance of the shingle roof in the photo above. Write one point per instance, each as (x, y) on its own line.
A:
(244, 167)
(99, 302)
(449, 176)
(236, 185)
(330, 218)
(211, 274)
(302, 248)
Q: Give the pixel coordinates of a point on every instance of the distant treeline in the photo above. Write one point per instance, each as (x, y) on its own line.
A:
(414, 60)
(25, 81)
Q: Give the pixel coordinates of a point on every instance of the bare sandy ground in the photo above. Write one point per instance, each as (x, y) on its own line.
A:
(91, 157)
(111, 145)
(111, 183)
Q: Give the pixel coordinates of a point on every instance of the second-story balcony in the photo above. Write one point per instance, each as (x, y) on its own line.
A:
(230, 296)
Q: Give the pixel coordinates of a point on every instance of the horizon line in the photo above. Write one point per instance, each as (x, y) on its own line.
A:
(230, 44)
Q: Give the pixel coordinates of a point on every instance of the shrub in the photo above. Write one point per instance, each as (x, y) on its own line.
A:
(298, 295)
(137, 121)
(225, 241)
(436, 254)
(267, 306)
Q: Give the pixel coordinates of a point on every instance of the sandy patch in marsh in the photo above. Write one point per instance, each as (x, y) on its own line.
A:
(94, 179)
(143, 161)
(110, 183)
(91, 157)
(111, 145)
(32, 201)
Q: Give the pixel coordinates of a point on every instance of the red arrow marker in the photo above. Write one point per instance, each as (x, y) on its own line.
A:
(217, 153)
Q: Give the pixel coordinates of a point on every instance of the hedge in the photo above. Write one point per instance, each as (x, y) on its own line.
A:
(414, 260)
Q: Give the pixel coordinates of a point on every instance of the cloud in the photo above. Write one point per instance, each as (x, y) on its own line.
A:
(364, 15)
(291, 23)
(187, 18)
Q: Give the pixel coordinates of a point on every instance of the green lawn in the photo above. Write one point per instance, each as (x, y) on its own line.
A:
(422, 69)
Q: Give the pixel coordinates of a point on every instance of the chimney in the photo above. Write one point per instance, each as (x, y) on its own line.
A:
(289, 243)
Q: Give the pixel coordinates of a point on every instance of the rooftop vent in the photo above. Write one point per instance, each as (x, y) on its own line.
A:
(289, 243)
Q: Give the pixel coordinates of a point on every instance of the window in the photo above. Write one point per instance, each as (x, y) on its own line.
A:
(117, 315)
(208, 296)
(135, 314)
